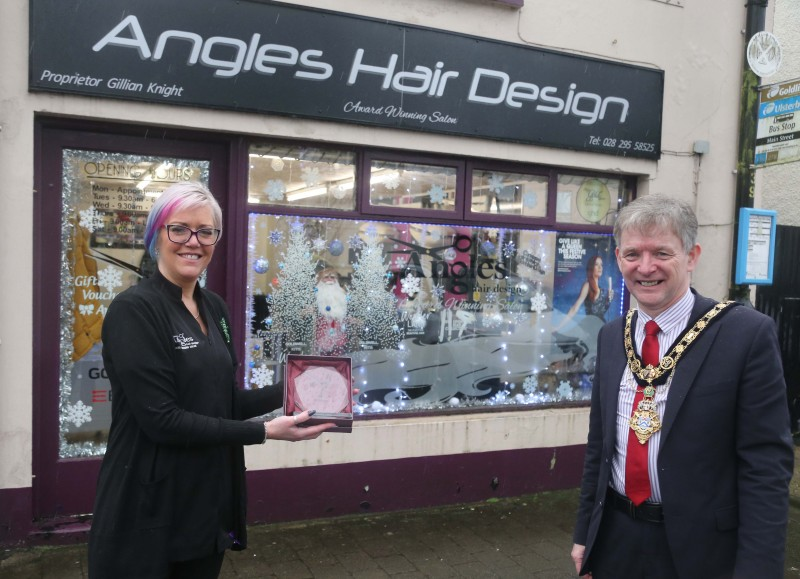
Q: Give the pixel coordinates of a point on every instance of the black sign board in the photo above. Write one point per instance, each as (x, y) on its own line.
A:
(289, 60)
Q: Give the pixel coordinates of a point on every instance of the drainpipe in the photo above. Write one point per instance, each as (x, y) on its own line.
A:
(748, 123)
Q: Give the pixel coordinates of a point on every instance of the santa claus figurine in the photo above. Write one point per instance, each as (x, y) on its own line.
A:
(331, 336)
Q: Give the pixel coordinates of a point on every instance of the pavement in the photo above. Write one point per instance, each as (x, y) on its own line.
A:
(529, 536)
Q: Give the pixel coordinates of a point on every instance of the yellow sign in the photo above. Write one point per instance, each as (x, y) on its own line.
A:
(594, 200)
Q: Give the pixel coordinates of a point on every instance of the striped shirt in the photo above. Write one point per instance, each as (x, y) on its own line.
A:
(673, 323)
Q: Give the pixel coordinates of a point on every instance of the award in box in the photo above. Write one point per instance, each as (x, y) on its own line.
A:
(321, 383)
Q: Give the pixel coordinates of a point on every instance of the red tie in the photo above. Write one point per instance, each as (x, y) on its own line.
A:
(637, 478)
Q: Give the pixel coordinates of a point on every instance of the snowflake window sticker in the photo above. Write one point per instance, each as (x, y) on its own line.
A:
(392, 182)
(509, 249)
(78, 413)
(319, 244)
(310, 176)
(372, 232)
(530, 384)
(564, 390)
(109, 278)
(539, 303)
(436, 194)
(495, 183)
(275, 189)
(410, 285)
(262, 376)
(91, 219)
(530, 199)
(355, 241)
(276, 237)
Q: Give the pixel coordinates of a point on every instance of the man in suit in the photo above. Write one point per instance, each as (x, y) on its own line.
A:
(689, 452)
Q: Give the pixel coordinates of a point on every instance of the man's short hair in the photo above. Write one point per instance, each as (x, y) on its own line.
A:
(658, 211)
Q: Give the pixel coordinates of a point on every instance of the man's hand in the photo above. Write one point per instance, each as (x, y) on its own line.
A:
(577, 558)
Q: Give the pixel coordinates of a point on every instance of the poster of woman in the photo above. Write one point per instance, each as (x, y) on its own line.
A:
(587, 289)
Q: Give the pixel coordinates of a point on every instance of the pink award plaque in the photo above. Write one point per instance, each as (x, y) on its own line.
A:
(323, 384)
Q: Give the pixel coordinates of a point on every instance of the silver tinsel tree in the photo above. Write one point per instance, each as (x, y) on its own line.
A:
(293, 301)
(372, 309)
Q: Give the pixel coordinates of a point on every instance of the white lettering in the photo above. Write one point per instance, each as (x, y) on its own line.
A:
(138, 41)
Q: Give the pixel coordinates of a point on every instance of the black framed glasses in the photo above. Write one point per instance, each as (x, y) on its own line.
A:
(182, 234)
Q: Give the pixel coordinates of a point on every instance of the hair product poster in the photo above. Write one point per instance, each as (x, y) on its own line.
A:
(587, 283)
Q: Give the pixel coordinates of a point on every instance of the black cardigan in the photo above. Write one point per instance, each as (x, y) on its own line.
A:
(172, 485)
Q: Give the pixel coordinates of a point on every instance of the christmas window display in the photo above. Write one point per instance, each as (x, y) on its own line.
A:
(433, 317)
(105, 201)
(297, 176)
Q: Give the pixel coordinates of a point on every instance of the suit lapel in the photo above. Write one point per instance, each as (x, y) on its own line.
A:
(689, 365)
(613, 377)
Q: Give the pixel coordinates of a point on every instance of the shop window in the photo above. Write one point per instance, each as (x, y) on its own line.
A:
(590, 200)
(434, 317)
(508, 194)
(403, 187)
(106, 199)
(292, 176)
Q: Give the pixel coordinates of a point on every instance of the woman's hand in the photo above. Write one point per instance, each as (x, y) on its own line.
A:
(288, 427)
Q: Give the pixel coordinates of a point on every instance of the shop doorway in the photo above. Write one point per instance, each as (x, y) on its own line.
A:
(93, 192)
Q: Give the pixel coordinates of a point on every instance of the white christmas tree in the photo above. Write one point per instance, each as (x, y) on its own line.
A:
(293, 300)
(372, 308)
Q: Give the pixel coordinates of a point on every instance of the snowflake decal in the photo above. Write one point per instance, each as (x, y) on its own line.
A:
(539, 303)
(410, 285)
(436, 193)
(564, 390)
(501, 396)
(339, 192)
(109, 277)
(393, 182)
(310, 176)
(262, 376)
(91, 219)
(495, 183)
(400, 262)
(355, 242)
(276, 237)
(439, 292)
(372, 232)
(530, 384)
(275, 189)
(530, 199)
(509, 249)
(78, 413)
(296, 225)
(319, 244)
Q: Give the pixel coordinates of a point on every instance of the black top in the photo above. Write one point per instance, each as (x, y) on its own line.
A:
(171, 486)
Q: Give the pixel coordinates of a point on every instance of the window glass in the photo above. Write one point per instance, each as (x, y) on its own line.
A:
(434, 316)
(106, 199)
(293, 176)
(412, 186)
(589, 200)
(499, 193)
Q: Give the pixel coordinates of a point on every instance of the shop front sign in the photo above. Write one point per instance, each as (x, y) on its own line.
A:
(290, 60)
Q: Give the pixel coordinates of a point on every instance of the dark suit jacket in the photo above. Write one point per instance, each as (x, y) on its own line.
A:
(726, 453)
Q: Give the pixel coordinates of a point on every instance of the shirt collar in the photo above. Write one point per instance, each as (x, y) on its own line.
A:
(676, 315)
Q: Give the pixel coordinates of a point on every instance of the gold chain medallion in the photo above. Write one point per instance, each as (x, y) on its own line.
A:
(645, 421)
